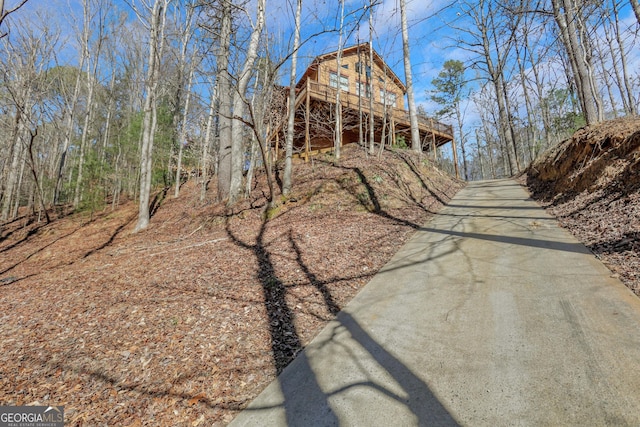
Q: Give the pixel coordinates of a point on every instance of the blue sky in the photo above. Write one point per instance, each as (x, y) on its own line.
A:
(426, 22)
(430, 38)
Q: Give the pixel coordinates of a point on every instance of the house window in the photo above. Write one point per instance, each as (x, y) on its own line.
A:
(360, 67)
(345, 66)
(388, 98)
(344, 81)
(363, 89)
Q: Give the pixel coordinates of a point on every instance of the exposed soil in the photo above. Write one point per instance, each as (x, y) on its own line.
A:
(591, 183)
(185, 323)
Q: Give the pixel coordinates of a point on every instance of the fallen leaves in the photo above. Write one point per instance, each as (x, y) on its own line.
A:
(173, 326)
(596, 193)
(197, 398)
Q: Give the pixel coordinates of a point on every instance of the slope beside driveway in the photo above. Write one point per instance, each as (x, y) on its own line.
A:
(490, 315)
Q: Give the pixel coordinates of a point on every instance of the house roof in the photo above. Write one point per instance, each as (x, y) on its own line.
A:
(352, 50)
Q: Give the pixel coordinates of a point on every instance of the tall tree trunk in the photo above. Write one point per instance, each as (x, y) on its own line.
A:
(68, 130)
(179, 114)
(627, 92)
(85, 132)
(11, 190)
(337, 137)
(16, 204)
(462, 140)
(606, 74)
(36, 180)
(369, 83)
(527, 100)
(239, 106)
(12, 174)
(224, 99)
(286, 177)
(503, 115)
(149, 121)
(182, 136)
(565, 14)
(539, 90)
(91, 76)
(479, 151)
(206, 147)
(510, 129)
(416, 144)
(636, 9)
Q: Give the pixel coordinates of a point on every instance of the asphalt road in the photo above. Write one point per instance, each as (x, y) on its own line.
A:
(490, 315)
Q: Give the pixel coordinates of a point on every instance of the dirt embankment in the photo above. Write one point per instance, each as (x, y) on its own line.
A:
(185, 323)
(591, 183)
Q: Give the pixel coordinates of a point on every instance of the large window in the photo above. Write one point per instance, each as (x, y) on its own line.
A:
(344, 81)
(363, 89)
(388, 98)
(360, 67)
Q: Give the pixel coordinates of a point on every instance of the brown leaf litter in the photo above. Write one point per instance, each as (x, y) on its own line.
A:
(591, 183)
(185, 323)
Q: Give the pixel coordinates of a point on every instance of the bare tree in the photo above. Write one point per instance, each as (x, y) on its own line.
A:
(182, 136)
(224, 101)
(286, 179)
(416, 144)
(636, 9)
(23, 63)
(4, 13)
(240, 104)
(156, 25)
(492, 41)
(185, 67)
(91, 75)
(337, 137)
(369, 83)
(623, 77)
(567, 16)
(207, 142)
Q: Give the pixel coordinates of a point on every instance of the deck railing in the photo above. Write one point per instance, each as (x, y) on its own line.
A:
(351, 100)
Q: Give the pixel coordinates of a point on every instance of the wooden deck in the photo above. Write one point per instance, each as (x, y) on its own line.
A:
(432, 133)
(443, 133)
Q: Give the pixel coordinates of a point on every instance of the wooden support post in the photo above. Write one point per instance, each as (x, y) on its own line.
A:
(455, 157)
(307, 137)
(434, 147)
(393, 131)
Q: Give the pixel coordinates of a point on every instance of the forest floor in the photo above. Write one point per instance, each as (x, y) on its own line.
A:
(185, 323)
(591, 183)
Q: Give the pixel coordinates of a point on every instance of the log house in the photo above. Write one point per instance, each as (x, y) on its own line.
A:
(358, 79)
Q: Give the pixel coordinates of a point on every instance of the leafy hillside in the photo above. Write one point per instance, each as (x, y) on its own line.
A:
(591, 182)
(185, 323)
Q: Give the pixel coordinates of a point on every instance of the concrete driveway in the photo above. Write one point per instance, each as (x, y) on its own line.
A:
(490, 315)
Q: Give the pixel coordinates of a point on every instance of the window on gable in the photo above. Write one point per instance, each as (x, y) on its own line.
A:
(344, 81)
(360, 67)
(345, 66)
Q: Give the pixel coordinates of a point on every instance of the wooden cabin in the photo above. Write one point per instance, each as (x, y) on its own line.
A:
(368, 89)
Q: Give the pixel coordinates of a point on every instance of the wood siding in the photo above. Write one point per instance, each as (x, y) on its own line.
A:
(378, 79)
(316, 97)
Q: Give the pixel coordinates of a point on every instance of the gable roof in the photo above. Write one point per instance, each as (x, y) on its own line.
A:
(353, 50)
